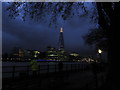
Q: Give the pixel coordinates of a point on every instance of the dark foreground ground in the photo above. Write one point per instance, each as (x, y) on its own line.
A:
(59, 80)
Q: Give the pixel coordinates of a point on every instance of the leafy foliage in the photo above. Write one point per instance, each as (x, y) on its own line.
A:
(41, 11)
(98, 38)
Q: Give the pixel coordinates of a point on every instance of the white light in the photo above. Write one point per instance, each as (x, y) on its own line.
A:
(99, 51)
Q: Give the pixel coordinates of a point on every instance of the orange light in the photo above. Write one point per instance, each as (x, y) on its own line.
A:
(61, 29)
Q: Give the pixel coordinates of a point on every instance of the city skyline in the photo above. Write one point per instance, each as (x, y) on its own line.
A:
(60, 45)
(33, 35)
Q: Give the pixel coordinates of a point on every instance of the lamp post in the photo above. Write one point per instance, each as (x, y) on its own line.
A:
(100, 52)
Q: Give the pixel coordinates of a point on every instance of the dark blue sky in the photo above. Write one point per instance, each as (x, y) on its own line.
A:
(33, 35)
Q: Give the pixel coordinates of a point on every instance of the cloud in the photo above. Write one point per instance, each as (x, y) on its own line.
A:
(31, 35)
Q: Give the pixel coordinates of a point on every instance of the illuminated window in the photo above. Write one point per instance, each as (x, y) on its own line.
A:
(36, 52)
(74, 54)
(35, 55)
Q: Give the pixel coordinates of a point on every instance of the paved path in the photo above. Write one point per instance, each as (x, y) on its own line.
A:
(83, 79)
(73, 80)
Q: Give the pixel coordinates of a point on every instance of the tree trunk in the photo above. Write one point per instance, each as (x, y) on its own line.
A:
(113, 53)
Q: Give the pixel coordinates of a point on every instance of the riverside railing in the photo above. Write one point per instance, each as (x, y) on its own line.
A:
(17, 71)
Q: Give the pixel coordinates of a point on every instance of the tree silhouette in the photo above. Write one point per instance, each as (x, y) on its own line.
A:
(108, 21)
(98, 38)
(40, 11)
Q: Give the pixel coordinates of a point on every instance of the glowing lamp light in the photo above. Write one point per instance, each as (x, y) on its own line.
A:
(99, 51)
(61, 30)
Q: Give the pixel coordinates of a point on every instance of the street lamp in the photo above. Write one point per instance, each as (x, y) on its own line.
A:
(100, 52)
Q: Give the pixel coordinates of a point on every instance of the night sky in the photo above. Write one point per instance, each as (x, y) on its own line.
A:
(33, 35)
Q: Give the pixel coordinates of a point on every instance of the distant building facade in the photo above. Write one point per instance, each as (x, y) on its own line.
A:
(19, 54)
(51, 53)
(57, 54)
